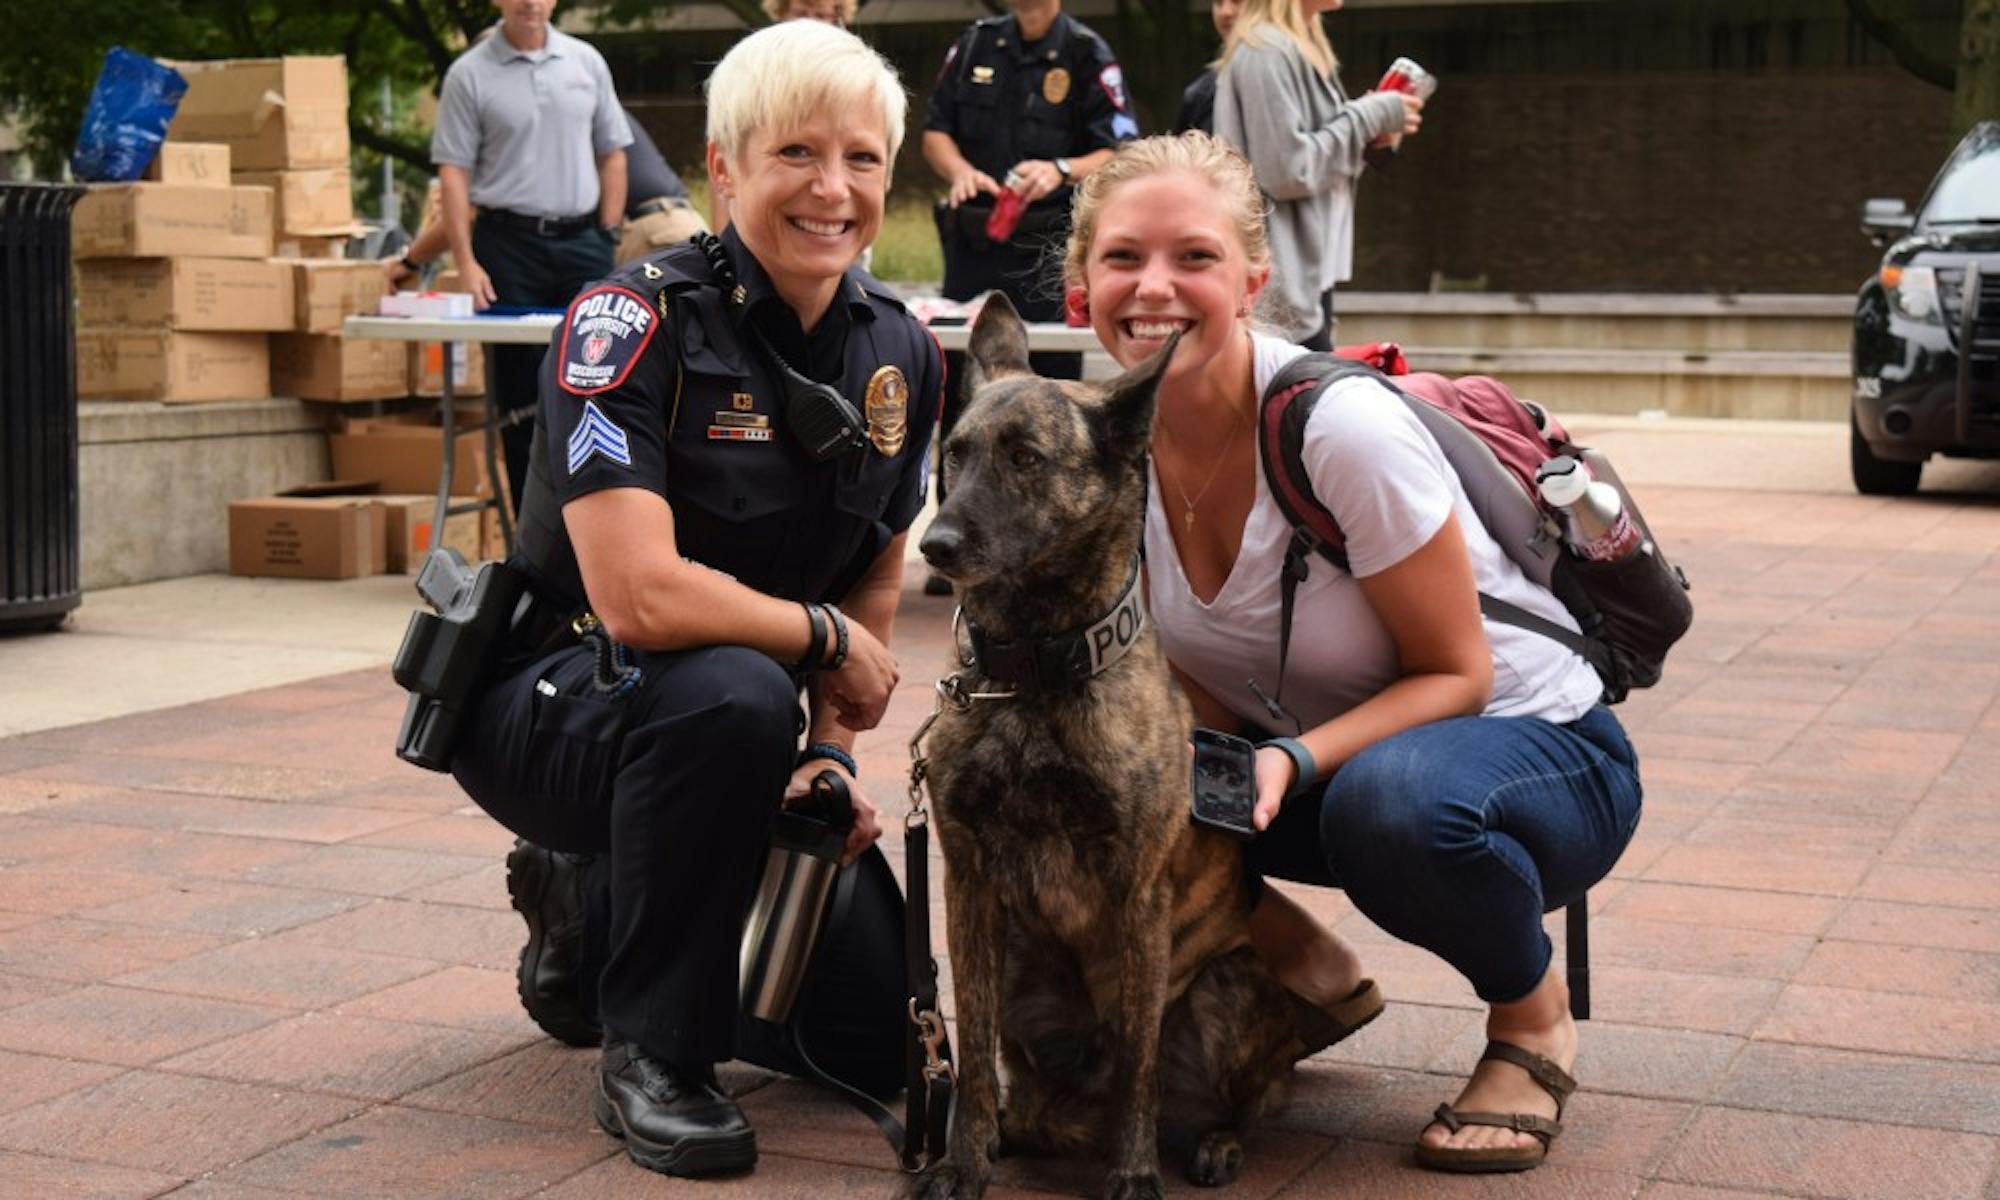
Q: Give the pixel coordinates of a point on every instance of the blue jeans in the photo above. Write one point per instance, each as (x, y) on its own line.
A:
(1457, 836)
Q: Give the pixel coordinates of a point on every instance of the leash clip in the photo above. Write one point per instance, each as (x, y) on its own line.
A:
(930, 1031)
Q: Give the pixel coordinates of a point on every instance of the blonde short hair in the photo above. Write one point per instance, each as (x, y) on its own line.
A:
(779, 76)
(1193, 152)
(843, 10)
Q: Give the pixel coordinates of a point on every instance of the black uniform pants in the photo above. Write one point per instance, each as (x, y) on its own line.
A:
(536, 272)
(674, 788)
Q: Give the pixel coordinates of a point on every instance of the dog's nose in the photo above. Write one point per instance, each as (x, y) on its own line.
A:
(941, 545)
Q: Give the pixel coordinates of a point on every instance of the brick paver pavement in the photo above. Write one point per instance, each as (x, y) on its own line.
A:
(244, 953)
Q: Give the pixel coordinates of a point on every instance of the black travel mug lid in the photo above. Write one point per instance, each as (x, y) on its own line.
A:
(817, 825)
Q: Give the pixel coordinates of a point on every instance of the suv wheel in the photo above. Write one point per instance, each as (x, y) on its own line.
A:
(1878, 476)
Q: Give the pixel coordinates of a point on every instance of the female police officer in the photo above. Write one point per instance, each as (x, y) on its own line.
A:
(732, 527)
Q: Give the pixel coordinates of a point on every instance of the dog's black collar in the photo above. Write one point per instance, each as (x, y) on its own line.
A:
(1043, 664)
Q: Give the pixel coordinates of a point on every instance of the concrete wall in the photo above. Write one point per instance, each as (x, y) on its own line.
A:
(155, 480)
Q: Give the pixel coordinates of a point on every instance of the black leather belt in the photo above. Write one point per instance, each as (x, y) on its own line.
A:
(648, 208)
(548, 227)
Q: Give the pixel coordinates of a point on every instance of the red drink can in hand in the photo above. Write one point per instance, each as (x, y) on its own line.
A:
(1007, 208)
(1404, 75)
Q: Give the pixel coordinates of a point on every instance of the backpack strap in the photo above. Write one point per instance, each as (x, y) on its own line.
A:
(1281, 427)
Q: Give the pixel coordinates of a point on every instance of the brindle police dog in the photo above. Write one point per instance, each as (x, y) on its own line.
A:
(1098, 937)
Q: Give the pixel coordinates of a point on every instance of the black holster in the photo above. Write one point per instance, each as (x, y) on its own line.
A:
(448, 655)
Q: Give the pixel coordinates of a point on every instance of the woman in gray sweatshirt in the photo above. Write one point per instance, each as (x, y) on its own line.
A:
(1278, 99)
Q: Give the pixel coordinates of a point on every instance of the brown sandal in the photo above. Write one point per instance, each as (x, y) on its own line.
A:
(1548, 1076)
(1320, 1027)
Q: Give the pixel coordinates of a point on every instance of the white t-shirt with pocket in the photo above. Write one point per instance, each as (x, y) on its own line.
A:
(1376, 468)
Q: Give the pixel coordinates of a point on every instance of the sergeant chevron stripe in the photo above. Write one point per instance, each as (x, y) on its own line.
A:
(595, 434)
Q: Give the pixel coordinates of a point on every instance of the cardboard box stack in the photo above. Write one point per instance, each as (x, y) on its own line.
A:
(377, 514)
(174, 293)
(285, 123)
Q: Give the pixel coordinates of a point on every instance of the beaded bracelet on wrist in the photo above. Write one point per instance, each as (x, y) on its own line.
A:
(832, 753)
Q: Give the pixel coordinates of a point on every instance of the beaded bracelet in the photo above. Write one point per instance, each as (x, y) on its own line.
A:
(832, 753)
(816, 645)
(839, 637)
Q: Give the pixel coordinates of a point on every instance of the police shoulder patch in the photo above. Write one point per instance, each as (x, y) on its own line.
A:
(604, 332)
(1112, 80)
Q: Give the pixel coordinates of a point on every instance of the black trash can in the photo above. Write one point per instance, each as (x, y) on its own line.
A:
(40, 551)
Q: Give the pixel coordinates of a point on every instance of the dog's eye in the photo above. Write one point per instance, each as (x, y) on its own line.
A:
(951, 460)
(1024, 459)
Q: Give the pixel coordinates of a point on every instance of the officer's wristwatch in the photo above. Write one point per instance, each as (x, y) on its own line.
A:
(1062, 168)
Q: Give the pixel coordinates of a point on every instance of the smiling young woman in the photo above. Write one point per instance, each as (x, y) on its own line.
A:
(1463, 777)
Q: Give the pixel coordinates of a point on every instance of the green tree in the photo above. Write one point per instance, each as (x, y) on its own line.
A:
(45, 78)
(1972, 76)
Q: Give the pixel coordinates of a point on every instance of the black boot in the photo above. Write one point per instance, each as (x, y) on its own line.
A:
(546, 887)
(672, 1119)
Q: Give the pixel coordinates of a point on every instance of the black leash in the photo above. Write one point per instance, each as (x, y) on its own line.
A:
(932, 1077)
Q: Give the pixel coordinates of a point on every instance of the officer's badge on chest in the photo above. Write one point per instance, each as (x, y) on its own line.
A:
(1055, 85)
(888, 410)
(740, 422)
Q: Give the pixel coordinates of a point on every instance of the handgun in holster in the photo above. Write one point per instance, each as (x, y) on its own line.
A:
(447, 654)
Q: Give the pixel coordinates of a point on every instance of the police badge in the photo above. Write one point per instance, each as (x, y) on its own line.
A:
(1055, 85)
(888, 409)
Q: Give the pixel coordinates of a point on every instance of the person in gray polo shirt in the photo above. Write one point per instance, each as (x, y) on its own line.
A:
(531, 136)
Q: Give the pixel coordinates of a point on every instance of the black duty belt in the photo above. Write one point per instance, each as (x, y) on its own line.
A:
(549, 227)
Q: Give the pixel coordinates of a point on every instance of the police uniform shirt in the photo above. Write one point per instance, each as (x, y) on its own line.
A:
(653, 381)
(1004, 101)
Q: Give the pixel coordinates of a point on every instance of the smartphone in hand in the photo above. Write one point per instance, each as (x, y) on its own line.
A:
(1225, 783)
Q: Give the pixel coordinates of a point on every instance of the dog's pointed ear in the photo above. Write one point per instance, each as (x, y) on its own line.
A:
(1126, 416)
(998, 344)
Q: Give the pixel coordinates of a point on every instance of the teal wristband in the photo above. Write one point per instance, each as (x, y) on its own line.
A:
(1301, 758)
(832, 753)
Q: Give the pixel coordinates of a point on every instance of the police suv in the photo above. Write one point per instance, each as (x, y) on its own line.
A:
(1927, 325)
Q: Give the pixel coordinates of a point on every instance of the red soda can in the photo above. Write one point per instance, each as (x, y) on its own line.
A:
(1404, 75)
(1007, 208)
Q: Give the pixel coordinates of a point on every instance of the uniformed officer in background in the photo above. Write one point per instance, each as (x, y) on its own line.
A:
(673, 496)
(1033, 100)
(1036, 96)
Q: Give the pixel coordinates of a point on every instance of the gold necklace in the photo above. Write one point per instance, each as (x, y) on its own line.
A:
(1188, 502)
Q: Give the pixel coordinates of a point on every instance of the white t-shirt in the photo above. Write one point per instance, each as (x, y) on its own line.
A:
(1376, 468)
